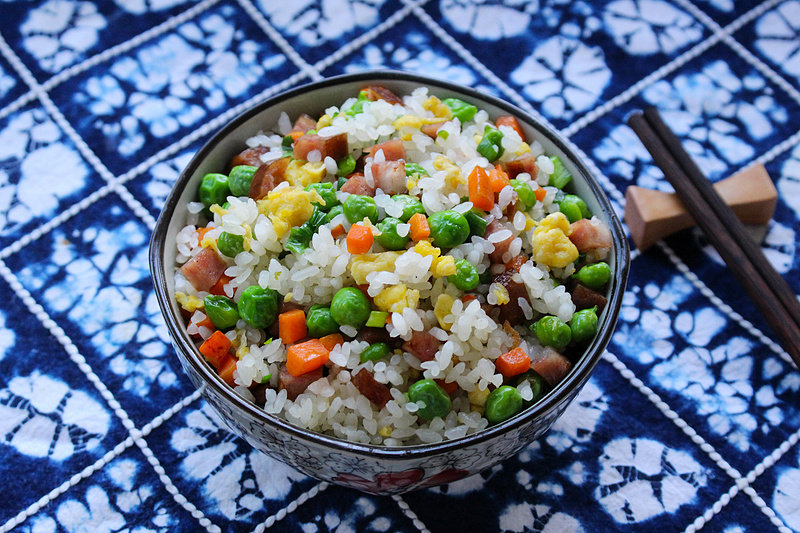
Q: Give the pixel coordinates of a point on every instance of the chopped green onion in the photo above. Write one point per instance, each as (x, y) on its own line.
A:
(377, 319)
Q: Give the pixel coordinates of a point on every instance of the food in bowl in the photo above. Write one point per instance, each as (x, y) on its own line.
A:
(396, 271)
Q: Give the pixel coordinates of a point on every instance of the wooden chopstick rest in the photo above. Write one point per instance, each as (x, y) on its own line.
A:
(652, 215)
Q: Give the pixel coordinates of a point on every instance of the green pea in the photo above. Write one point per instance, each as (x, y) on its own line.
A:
(333, 213)
(448, 228)
(551, 331)
(328, 193)
(377, 319)
(573, 207)
(375, 352)
(538, 386)
(320, 321)
(213, 189)
(461, 110)
(389, 238)
(350, 307)
(436, 400)
(221, 310)
(239, 179)
(356, 207)
(560, 176)
(595, 275)
(346, 165)
(258, 306)
(413, 168)
(525, 194)
(466, 276)
(358, 105)
(477, 224)
(411, 205)
(583, 324)
(230, 244)
(491, 146)
(502, 403)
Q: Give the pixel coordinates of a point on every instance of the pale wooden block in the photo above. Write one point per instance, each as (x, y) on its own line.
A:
(652, 215)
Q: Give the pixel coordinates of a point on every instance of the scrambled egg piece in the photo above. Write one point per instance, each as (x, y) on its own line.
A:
(300, 173)
(551, 244)
(501, 293)
(324, 121)
(425, 248)
(444, 304)
(218, 210)
(396, 298)
(477, 399)
(438, 108)
(289, 206)
(453, 177)
(241, 345)
(363, 264)
(441, 265)
(188, 302)
(529, 222)
(413, 121)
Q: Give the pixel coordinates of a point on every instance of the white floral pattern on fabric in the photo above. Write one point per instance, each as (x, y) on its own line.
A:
(644, 27)
(778, 34)
(489, 20)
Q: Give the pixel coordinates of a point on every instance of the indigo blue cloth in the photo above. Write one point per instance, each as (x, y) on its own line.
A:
(690, 421)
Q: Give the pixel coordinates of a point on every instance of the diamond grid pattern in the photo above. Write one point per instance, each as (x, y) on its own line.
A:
(690, 421)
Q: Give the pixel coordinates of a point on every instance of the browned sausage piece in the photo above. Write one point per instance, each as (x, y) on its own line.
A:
(295, 385)
(204, 269)
(524, 163)
(251, 156)
(500, 248)
(583, 297)
(551, 365)
(423, 345)
(376, 392)
(376, 92)
(392, 150)
(357, 184)
(334, 146)
(431, 129)
(589, 235)
(303, 124)
(390, 176)
(267, 177)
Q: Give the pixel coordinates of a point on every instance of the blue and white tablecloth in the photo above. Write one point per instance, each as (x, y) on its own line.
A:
(690, 421)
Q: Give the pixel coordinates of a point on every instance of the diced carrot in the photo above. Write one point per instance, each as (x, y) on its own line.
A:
(296, 134)
(540, 194)
(468, 298)
(292, 326)
(206, 323)
(480, 189)
(218, 289)
(332, 340)
(449, 386)
(419, 227)
(226, 369)
(337, 231)
(201, 232)
(359, 239)
(215, 348)
(511, 122)
(498, 178)
(306, 356)
(513, 363)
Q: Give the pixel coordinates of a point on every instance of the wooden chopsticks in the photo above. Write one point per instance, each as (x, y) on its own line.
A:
(769, 291)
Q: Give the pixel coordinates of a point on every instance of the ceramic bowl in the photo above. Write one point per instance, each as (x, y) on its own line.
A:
(371, 468)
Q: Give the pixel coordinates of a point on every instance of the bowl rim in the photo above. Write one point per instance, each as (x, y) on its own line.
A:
(571, 383)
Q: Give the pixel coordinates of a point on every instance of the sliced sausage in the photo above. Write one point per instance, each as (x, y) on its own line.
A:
(524, 163)
(392, 150)
(512, 312)
(357, 184)
(204, 269)
(303, 124)
(431, 129)
(376, 392)
(251, 156)
(583, 297)
(390, 176)
(589, 235)
(295, 385)
(267, 177)
(334, 146)
(422, 345)
(500, 248)
(376, 92)
(551, 365)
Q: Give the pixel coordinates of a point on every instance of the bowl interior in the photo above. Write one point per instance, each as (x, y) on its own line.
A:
(313, 99)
